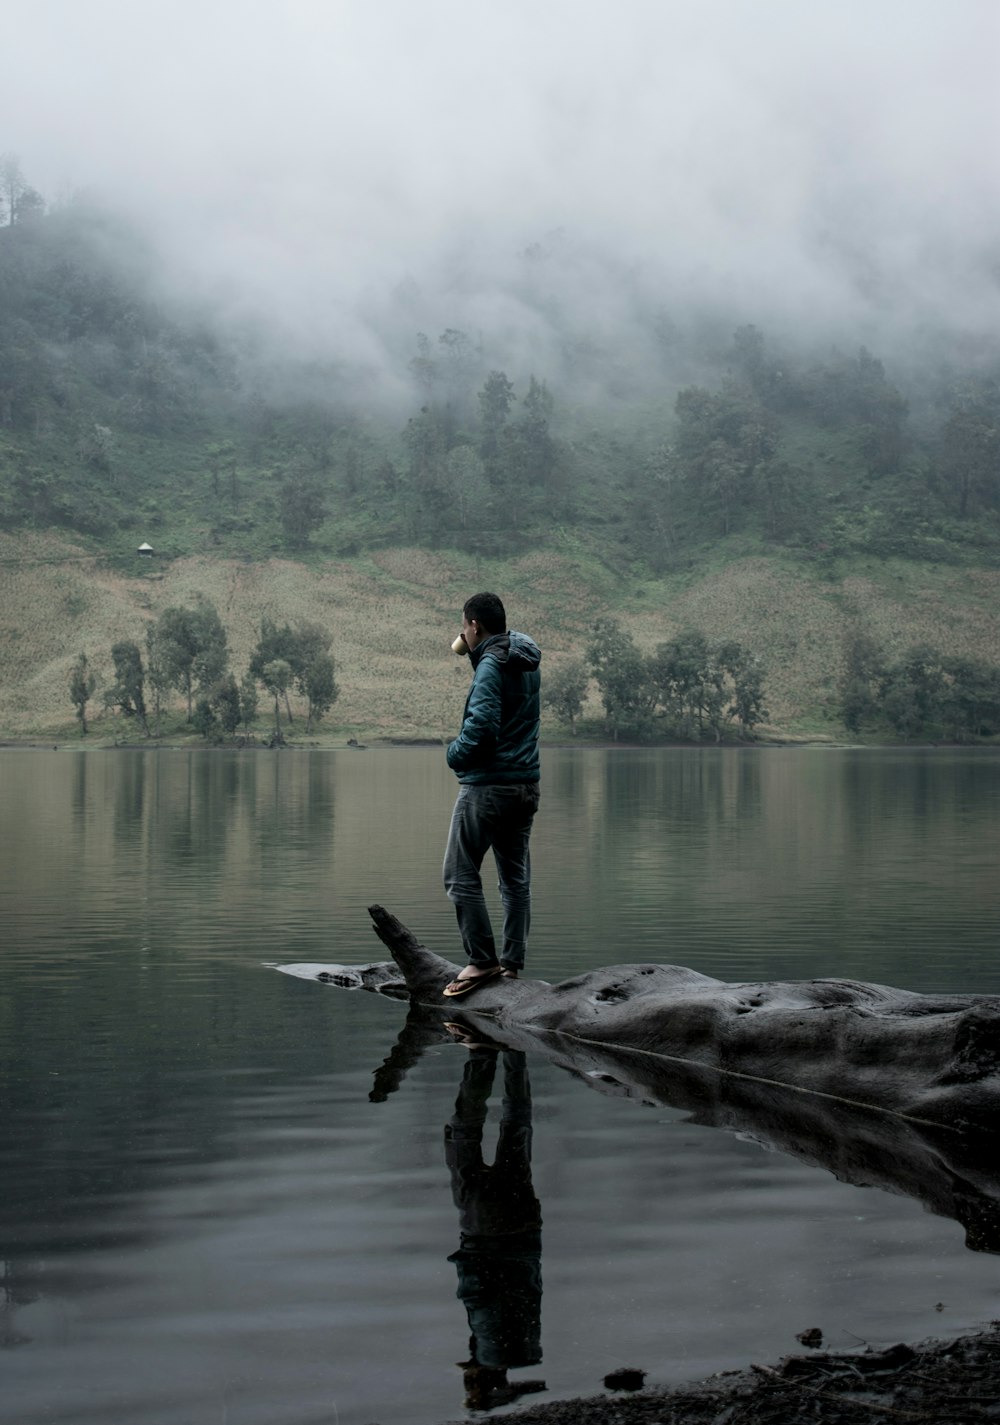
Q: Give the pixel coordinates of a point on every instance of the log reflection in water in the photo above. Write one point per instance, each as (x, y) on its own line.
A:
(891, 1053)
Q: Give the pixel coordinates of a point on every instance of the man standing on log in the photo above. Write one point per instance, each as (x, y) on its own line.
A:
(495, 757)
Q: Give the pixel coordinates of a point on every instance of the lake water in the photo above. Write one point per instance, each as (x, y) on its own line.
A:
(205, 1218)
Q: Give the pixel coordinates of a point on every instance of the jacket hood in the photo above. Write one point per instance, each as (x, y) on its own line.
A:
(516, 650)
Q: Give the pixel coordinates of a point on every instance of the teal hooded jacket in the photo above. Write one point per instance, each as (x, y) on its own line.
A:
(499, 737)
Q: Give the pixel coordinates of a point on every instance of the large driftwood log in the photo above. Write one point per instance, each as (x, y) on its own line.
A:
(931, 1057)
(882, 1087)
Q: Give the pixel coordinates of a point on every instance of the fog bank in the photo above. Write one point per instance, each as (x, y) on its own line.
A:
(353, 172)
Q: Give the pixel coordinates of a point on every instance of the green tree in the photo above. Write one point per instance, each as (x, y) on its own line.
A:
(353, 476)
(970, 448)
(97, 447)
(468, 500)
(319, 684)
(129, 689)
(225, 703)
(456, 371)
(881, 411)
(519, 457)
(205, 720)
(158, 672)
(564, 690)
(313, 670)
(622, 676)
(248, 700)
(786, 498)
(722, 481)
(970, 698)
(276, 643)
(703, 686)
(743, 681)
(161, 390)
(82, 683)
(720, 441)
(191, 648)
(750, 361)
(212, 657)
(495, 400)
(864, 670)
(174, 640)
(911, 692)
(679, 673)
(656, 506)
(924, 693)
(222, 461)
(529, 455)
(25, 379)
(855, 393)
(276, 677)
(427, 486)
(302, 507)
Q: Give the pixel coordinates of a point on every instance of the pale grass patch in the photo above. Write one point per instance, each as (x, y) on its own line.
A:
(960, 614)
(392, 617)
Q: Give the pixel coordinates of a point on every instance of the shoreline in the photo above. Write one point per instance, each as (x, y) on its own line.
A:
(952, 1382)
(41, 742)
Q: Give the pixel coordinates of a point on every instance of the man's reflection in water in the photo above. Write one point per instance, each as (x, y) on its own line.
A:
(499, 1258)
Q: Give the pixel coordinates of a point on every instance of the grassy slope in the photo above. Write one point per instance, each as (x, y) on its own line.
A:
(393, 613)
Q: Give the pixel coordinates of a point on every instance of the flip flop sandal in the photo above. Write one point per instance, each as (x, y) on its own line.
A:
(463, 1035)
(466, 986)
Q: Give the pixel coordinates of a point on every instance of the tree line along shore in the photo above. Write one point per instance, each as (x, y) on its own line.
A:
(688, 689)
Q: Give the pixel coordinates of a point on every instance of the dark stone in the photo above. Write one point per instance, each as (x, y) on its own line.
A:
(626, 1379)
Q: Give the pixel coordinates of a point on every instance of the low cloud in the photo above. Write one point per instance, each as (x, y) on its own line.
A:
(353, 171)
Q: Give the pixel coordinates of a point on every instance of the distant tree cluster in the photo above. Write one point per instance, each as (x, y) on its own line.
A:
(923, 694)
(725, 467)
(689, 688)
(285, 657)
(476, 469)
(186, 651)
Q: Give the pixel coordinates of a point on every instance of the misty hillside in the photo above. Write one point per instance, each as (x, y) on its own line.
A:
(654, 459)
(655, 435)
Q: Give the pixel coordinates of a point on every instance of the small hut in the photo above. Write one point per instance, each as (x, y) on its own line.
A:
(145, 550)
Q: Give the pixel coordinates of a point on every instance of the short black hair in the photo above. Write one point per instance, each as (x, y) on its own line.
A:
(487, 610)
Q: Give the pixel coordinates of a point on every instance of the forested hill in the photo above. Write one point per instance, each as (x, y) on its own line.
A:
(640, 462)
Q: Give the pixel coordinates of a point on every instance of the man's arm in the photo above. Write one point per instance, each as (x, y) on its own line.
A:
(481, 728)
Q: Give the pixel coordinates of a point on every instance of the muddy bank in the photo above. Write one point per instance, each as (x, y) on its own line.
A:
(945, 1382)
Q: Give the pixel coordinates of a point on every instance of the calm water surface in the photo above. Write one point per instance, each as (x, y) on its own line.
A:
(206, 1219)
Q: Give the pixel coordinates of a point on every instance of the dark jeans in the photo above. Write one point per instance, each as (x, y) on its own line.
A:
(496, 818)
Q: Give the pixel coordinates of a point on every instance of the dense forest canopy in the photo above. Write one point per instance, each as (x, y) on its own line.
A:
(122, 408)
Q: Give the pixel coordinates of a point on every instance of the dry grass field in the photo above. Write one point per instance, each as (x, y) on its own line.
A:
(393, 614)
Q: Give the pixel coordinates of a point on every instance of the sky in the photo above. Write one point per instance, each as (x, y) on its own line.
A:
(318, 161)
